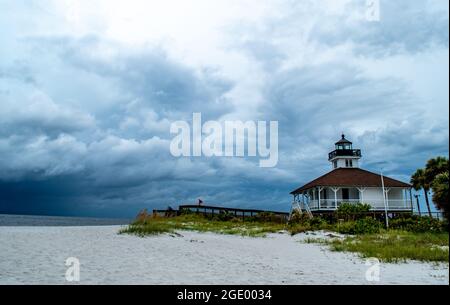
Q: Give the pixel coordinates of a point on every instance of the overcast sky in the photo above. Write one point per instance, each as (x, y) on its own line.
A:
(88, 90)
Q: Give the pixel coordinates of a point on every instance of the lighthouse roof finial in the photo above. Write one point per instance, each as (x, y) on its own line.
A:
(343, 140)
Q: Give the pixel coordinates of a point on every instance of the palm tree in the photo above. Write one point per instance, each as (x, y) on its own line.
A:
(440, 193)
(435, 167)
(419, 181)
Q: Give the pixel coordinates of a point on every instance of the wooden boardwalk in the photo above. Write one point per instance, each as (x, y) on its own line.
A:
(209, 210)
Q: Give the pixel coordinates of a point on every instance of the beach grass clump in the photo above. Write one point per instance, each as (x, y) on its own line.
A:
(311, 240)
(149, 228)
(150, 225)
(396, 246)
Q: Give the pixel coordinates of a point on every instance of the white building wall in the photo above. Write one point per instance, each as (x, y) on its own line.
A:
(396, 194)
(373, 193)
(395, 198)
(340, 162)
(353, 193)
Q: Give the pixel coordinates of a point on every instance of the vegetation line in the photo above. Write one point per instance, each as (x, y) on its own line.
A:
(409, 237)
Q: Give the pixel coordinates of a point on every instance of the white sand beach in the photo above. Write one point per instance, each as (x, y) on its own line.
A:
(36, 255)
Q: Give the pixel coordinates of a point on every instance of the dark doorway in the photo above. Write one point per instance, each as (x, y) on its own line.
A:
(345, 194)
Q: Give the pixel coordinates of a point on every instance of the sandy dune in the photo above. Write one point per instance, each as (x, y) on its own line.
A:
(31, 255)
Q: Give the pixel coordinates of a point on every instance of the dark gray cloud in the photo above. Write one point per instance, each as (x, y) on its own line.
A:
(114, 157)
(84, 120)
(150, 76)
(316, 103)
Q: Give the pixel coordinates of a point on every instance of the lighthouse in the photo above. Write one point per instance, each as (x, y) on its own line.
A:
(344, 155)
(346, 182)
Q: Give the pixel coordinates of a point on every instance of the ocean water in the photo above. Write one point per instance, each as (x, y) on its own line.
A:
(58, 221)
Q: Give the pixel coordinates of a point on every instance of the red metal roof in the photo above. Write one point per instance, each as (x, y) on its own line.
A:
(351, 177)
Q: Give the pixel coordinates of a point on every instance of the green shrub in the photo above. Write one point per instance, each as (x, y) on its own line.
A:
(318, 223)
(186, 212)
(347, 227)
(366, 225)
(225, 216)
(301, 222)
(299, 218)
(266, 217)
(419, 224)
(352, 211)
(298, 228)
(236, 220)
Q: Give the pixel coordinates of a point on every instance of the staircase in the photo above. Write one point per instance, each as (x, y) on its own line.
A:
(308, 210)
(296, 205)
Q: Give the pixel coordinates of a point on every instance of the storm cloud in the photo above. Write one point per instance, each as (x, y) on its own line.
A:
(88, 92)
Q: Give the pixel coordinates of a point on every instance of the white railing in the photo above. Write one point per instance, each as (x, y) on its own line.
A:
(392, 204)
